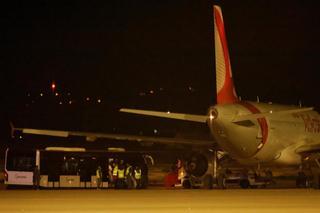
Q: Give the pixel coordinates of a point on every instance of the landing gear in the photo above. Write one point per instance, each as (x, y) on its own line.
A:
(244, 183)
(186, 184)
(208, 181)
(302, 180)
(221, 181)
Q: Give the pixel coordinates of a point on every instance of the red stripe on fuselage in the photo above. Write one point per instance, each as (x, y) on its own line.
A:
(226, 94)
(262, 123)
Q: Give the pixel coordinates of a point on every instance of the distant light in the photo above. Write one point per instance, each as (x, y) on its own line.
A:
(99, 101)
(20, 137)
(151, 92)
(190, 88)
(142, 94)
(56, 94)
(68, 93)
(70, 102)
(155, 131)
(53, 86)
(28, 94)
(87, 98)
(60, 102)
(41, 94)
(168, 112)
(161, 89)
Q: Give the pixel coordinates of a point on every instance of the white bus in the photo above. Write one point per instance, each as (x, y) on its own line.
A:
(64, 167)
(19, 166)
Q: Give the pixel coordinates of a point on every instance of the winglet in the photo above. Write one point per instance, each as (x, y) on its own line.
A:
(225, 88)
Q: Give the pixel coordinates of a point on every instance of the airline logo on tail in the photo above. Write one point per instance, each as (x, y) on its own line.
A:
(225, 88)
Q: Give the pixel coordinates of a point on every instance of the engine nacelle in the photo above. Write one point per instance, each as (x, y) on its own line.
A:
(196, 164)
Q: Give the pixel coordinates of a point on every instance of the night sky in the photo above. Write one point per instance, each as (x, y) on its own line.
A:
(149, 54)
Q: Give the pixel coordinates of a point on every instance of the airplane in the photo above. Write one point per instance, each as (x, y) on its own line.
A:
(252, 133)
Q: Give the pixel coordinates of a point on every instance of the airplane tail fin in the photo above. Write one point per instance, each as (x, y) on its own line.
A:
(225, 88)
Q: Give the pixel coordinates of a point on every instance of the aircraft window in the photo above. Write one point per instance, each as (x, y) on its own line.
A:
(246, 123)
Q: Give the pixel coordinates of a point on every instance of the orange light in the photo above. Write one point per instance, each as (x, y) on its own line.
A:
(53, 86)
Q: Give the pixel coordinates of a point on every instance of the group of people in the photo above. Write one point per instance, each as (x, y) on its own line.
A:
(121, 175)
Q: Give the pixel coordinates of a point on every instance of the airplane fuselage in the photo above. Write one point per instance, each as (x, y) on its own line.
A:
(263, 140)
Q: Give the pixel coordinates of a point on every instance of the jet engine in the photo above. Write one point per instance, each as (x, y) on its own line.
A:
(196, 164)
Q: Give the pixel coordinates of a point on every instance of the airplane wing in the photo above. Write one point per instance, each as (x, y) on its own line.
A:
(90, 136)
(179, 116)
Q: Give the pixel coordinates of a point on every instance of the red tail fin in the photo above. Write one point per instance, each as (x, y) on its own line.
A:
(225, 88)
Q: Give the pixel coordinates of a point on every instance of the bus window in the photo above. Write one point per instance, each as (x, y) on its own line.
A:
(20, 161)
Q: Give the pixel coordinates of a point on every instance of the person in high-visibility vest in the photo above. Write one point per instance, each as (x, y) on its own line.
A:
(121, 176)
(137, 176)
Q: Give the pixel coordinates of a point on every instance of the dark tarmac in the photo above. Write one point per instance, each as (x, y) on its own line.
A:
(161, 200)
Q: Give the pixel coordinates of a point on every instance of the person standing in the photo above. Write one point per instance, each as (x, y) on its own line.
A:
(114, 173)
(99, 177)
(36, 177)
(121, 176)
(137, 176)
(129, 177)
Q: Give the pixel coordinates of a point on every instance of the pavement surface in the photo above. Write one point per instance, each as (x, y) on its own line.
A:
(161, 200)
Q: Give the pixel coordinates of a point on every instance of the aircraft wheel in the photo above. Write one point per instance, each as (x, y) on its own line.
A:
(186, 184)
(222, 182)
(316, 181)
(244, 184)
(208, 182)
(301, 181)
